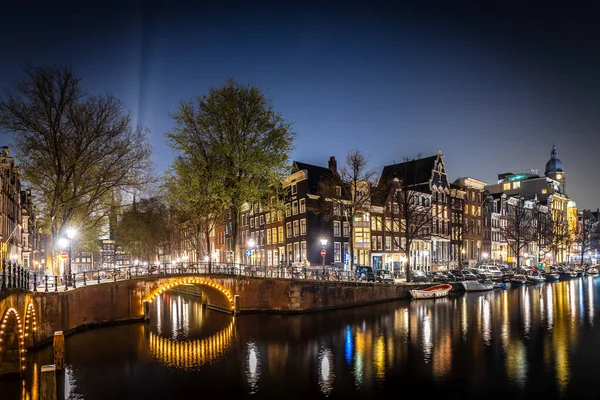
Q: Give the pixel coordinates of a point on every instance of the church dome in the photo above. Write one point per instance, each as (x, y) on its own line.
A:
(554, 164)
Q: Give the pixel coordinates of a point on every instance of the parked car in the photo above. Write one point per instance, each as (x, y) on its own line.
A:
(384, 276)
(438, 276)
(365, 274)
(456, 275)
(492, 270)
(416, 275)
(469, 274)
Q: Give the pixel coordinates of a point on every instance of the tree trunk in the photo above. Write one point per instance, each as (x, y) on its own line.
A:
(234, 234)
(583, 241)
(351, 244)
(407, 266)
(207, 233)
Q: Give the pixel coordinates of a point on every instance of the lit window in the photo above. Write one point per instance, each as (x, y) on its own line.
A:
(302, 205)
(346, 228)
(507, 186)
(337, 251)
(296, 230)
(295, 208)
(336, 228)
(516, 185)
(303, 226)
(544, 191)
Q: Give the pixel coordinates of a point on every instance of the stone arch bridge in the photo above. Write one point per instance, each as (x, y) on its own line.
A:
(30, 318)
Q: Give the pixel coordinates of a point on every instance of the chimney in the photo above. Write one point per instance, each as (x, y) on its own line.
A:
(332, 164)
(5, 151)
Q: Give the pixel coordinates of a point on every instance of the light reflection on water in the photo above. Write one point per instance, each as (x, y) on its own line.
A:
(520, 341)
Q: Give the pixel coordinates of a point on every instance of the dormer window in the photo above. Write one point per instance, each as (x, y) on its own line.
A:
(294, 188)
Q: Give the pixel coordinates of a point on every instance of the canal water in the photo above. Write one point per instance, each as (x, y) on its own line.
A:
(538, 341)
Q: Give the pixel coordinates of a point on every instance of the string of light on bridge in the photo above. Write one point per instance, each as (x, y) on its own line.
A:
(187, 281)
(21, 342)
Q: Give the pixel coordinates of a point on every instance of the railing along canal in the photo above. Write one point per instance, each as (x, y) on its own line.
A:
(16, 276)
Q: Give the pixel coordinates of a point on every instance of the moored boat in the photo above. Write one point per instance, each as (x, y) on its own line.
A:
(500, 285)
(552, 276)
(567, 274)
(476, 286)
(518, 280)
(535, 278)
(592, 271)
(431, 292)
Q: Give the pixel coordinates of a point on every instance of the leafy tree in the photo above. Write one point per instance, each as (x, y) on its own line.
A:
(235, 133)
(143, 229)
(195, 197)
(77, 151)
(349, 192)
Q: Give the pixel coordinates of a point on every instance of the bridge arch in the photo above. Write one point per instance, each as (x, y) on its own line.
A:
(217, 295)
(31, 325)
(12, 344)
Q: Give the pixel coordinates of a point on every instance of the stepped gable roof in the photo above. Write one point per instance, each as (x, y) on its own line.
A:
(315, 174)
(415, 173)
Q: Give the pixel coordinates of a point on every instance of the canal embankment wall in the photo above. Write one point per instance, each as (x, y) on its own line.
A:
(123, 301)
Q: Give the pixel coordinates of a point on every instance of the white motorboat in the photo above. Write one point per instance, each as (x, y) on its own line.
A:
(476, 286)
(538, 278)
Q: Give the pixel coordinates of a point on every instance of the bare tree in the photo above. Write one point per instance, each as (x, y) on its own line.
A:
(519, 227)
(414, 209)
(347, 193)
(545, 231)
(77, 151)
(587, 234)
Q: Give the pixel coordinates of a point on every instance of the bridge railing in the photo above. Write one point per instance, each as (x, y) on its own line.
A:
(15, 276)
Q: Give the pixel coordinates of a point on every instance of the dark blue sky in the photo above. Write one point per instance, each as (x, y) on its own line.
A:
(490, 86)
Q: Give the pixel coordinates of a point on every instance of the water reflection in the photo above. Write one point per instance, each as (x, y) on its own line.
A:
(326, 373)
(252, 367)
(518, 342)
(191, 353)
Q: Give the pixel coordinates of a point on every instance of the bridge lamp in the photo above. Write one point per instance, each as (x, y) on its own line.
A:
(323, 252)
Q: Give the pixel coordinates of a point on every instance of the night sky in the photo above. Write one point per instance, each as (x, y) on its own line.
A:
(490, 86)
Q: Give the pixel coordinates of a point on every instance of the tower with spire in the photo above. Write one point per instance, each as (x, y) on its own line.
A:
(554, 170)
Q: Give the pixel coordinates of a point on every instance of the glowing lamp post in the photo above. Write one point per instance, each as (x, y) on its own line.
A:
(323, 252)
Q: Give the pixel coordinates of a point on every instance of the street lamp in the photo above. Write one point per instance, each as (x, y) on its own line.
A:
(64, 242)
(323, 252)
